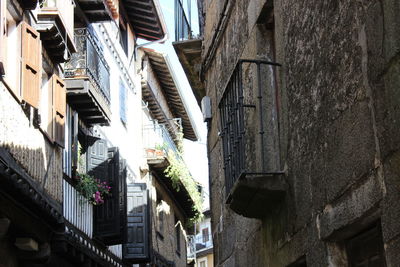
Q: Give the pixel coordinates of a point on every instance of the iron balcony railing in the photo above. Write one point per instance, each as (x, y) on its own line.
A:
(182, 23)
(250, 122)
(157, 137)
(89, 62)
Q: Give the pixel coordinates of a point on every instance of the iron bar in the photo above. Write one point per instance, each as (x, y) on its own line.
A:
(261, 117)
(89, 61)
(236, 126)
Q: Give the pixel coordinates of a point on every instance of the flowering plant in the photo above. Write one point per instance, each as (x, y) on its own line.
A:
(92, 189)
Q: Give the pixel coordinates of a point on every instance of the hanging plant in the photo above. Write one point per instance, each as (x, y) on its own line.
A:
(179, 174)
(92, 189)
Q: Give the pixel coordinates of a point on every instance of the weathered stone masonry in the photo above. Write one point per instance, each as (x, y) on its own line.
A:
(339, 108)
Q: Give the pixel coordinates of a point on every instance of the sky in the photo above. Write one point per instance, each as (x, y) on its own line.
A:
(195, 153)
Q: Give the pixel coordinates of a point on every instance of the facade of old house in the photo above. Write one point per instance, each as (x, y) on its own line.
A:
(303, 134)
(82, 105)
(201, 251)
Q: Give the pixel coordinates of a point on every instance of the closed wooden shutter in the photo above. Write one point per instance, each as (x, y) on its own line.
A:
(108, 222)
(136, 249)
(59, 109)
(30, 64)
(122, 198)
(97, 165)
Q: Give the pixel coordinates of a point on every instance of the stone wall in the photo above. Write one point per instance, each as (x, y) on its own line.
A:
(339, 108)
(166, 243)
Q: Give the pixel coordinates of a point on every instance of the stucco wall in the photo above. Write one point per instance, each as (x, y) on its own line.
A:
(339, 103)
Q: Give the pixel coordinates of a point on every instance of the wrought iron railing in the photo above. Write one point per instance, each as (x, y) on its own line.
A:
(157, 137)
(89, 62)
(183, 29)
(250, 122)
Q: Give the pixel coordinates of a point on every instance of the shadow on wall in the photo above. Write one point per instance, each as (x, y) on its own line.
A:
(43, 167)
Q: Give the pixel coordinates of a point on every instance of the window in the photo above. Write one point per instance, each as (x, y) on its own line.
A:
(2, 26)
(203, 264)
(11, 39)
(205, 234)
(122, 102)
(366, 249)
(249, 112)
(123, 35)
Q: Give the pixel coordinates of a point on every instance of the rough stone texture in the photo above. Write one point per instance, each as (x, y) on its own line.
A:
(166, 246)
(339, 106)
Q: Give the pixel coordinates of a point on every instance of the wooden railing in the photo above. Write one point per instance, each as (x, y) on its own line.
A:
(77, 210)
(116, 250)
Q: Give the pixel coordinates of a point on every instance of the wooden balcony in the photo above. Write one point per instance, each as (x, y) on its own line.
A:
(77, 210)
(56, 25)
(87, 79)
(100, 10)
(23, 189)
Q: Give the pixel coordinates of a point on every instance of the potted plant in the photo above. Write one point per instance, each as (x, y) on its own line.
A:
(92, 189)
(160, 149)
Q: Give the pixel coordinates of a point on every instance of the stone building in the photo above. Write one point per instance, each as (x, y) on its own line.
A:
(75, 114)
(303, 136)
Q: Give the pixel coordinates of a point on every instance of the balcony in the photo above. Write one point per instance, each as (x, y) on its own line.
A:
(77, 210)
(100, 10)
(56, 25)
(188, 50)
(87, 79)
(157, 143)
(200, 245)
(249, 116)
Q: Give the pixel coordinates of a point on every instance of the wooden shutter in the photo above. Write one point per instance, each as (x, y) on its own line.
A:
(122, 198)
(30, 64)
(59, 109)
(137, 247)
(97, 165)
(108, 222)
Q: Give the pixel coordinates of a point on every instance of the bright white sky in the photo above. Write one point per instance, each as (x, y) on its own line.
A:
(195, 152)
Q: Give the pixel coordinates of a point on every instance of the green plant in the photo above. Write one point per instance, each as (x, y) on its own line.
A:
(179, 174)
(162, 146)
(92, 189)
